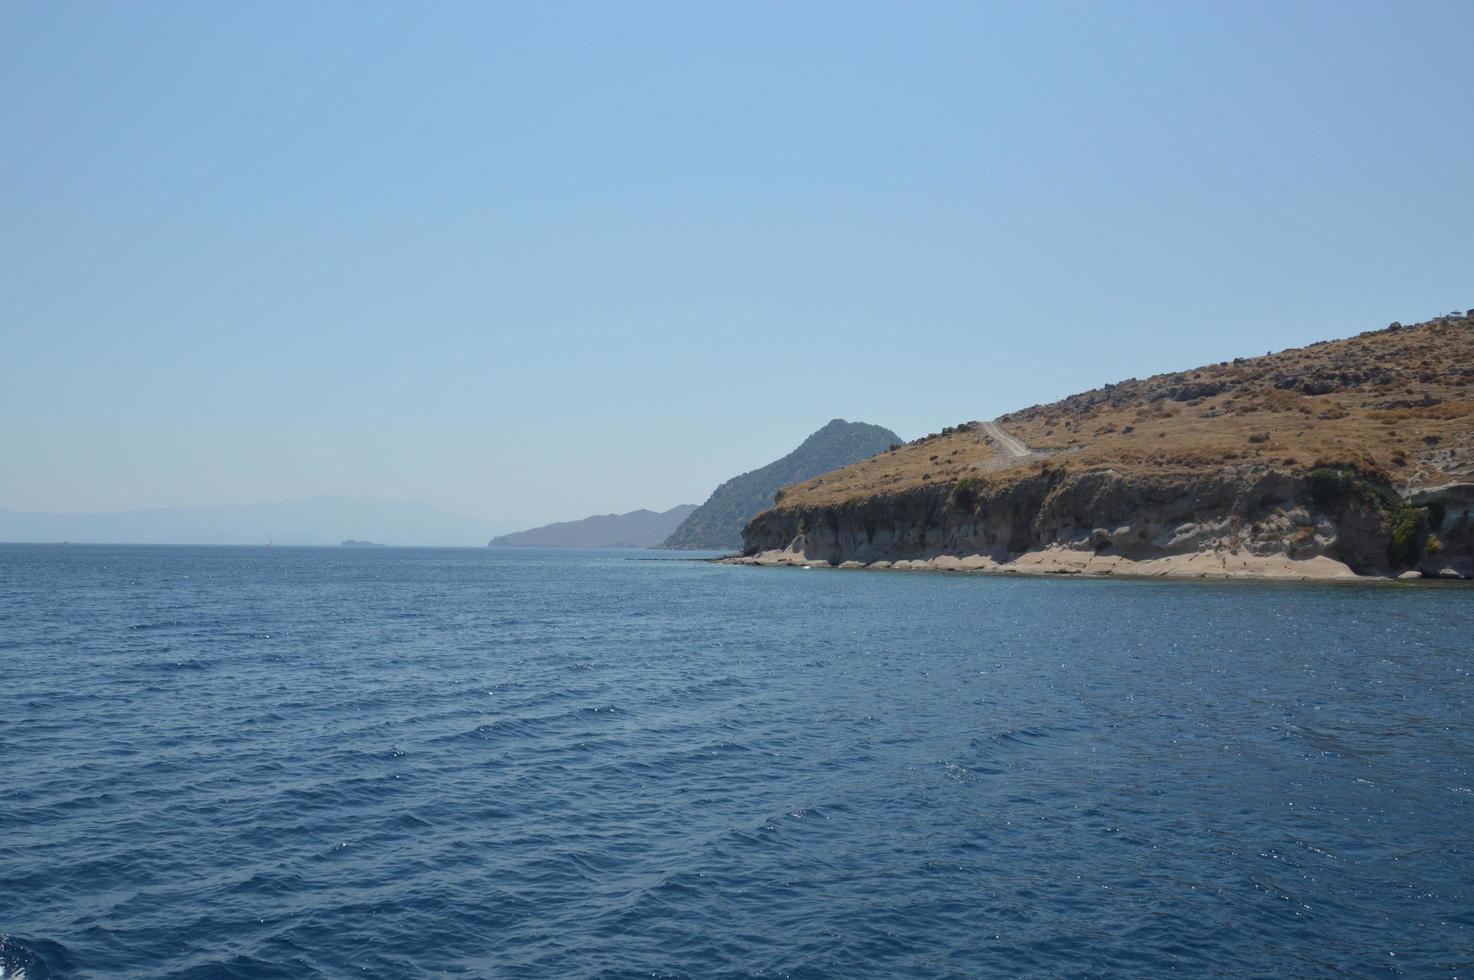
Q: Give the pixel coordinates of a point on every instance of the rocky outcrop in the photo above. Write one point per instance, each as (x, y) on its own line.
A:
(1448, 549)
(1330, 519)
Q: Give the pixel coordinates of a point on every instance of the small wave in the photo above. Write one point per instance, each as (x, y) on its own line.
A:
(166, 624)
(708, 689)
(1017, 736)
(170, 666)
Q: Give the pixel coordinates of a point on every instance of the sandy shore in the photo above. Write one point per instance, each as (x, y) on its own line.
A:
(1063, 561)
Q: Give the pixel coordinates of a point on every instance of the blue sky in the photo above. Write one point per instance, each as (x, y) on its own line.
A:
(530, 262)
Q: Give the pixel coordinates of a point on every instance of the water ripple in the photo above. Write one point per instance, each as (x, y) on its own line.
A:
(238, 763)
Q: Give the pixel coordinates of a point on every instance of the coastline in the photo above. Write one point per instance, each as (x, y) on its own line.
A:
(1070, 562)
(1222, 523)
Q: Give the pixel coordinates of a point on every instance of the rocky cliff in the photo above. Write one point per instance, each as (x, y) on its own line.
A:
(1249, 519)
(1347, 458)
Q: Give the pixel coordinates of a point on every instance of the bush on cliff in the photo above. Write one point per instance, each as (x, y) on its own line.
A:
(965, 493)
(1339, 489)
(1332, 487)
(1406, 526)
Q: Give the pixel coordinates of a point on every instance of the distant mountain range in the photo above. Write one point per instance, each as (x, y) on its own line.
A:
(366, 521)
(717, 524)
(308, 521)
(637, 529)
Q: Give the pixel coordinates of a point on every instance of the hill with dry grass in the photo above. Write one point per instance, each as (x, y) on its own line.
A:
(1229, 459)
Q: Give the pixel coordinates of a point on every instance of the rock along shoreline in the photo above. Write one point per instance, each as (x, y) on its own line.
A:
(1064, 562)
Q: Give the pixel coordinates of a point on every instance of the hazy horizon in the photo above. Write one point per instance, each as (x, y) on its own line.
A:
(531, 264)
(318, 534)
(329, 519)
(319, 520)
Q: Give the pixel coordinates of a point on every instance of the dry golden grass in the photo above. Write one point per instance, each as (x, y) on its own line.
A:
(1399, 400)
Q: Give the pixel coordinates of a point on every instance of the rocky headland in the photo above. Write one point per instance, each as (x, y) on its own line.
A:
(1345, 459)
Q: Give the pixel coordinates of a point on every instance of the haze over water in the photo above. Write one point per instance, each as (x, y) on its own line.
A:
(314, 762)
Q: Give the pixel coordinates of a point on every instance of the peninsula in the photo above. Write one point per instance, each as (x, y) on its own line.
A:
(636, 529)
(1345, 458)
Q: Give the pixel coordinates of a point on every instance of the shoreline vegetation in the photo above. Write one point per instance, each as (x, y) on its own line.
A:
(1346, 459)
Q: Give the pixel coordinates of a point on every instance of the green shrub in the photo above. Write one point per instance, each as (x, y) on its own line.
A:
(1330, 485)
(965, 493)
(1334, 485)
(1406, 525)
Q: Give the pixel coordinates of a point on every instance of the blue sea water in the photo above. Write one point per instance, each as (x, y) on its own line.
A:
(222, 762)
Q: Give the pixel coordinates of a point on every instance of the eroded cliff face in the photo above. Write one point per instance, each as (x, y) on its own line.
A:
(1253, 511)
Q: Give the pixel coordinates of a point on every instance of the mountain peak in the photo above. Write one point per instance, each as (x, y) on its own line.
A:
(717, 524)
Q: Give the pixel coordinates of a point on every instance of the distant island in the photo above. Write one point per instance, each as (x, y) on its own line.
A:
(717, 524)
(636, 529)
(1345, 458)
(351, 543)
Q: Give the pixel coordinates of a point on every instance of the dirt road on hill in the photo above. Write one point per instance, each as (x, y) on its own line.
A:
(1006, 442)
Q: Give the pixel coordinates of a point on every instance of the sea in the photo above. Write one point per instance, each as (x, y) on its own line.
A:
(327, 762)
